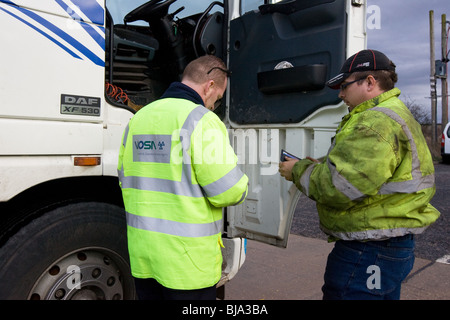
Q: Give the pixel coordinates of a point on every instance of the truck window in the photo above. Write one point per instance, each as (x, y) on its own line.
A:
(248, 5)
(148, 45)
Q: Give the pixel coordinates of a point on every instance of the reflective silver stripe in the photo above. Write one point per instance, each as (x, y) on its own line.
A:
(342, 184)
(244, 194)
(185, 137)
(304, 179)
(182, 229)
(179, 188)
(381, 234)
(223, 184)
(415, 170)
(409, 186)
(188, 127)
(418, 181)
(125, 135)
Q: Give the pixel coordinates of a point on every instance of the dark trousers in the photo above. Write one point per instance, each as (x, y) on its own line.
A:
(150, 289)
(368, 270)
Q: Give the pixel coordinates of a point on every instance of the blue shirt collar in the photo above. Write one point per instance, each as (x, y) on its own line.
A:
(181, 91)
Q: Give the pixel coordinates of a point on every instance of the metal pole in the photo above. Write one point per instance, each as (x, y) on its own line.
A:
(444, 77)
(432, 80)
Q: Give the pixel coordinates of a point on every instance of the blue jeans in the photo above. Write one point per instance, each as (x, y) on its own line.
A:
(371, 270)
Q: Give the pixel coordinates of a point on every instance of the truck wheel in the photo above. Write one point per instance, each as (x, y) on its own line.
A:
(78, 252)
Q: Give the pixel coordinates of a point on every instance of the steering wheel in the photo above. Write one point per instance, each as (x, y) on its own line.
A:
(149, 11)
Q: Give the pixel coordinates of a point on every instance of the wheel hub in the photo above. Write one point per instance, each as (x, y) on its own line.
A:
(89, 274)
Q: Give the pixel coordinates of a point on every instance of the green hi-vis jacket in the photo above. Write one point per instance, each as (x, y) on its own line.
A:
(377, 179)
(176, 170)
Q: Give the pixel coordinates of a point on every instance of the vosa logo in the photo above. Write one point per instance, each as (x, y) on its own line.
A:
(149, 145)
(152, 148)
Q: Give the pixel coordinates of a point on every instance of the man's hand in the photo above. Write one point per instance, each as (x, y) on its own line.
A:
(285, 168)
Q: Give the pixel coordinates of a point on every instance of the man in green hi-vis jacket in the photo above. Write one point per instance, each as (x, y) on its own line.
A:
(374, 186)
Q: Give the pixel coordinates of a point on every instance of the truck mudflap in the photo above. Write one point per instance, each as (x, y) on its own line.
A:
(233, 253)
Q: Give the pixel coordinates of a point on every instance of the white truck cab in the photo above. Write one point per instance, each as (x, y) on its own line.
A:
(73, 73)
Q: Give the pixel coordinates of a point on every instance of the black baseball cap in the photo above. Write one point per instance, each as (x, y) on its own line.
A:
(365, 60)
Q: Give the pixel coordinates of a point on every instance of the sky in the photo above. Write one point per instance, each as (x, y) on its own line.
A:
(401, 30)
(398, 28)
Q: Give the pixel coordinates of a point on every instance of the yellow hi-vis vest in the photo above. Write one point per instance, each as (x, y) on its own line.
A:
(176, 170)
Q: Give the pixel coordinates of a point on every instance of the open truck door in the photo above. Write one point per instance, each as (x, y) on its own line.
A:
(280, 57)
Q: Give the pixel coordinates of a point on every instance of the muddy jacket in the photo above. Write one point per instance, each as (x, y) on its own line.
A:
(377, 179)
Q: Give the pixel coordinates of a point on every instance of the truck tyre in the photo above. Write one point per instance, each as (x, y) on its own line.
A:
(78, 251)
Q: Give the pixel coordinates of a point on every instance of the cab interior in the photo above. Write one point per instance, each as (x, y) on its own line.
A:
(143, 59)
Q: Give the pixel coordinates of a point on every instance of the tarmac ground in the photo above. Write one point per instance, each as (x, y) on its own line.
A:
(296, 273)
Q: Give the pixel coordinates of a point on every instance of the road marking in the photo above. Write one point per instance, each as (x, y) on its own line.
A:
(445, 259)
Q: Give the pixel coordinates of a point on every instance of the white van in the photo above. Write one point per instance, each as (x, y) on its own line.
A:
(445, 144)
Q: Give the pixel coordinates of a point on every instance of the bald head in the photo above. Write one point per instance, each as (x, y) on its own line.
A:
(207, 75)
(206, 68)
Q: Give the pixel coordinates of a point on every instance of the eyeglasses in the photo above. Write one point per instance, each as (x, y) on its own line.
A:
(345, 85)
(228, 72)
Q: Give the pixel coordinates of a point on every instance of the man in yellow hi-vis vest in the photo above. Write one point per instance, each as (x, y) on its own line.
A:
(177, 170)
